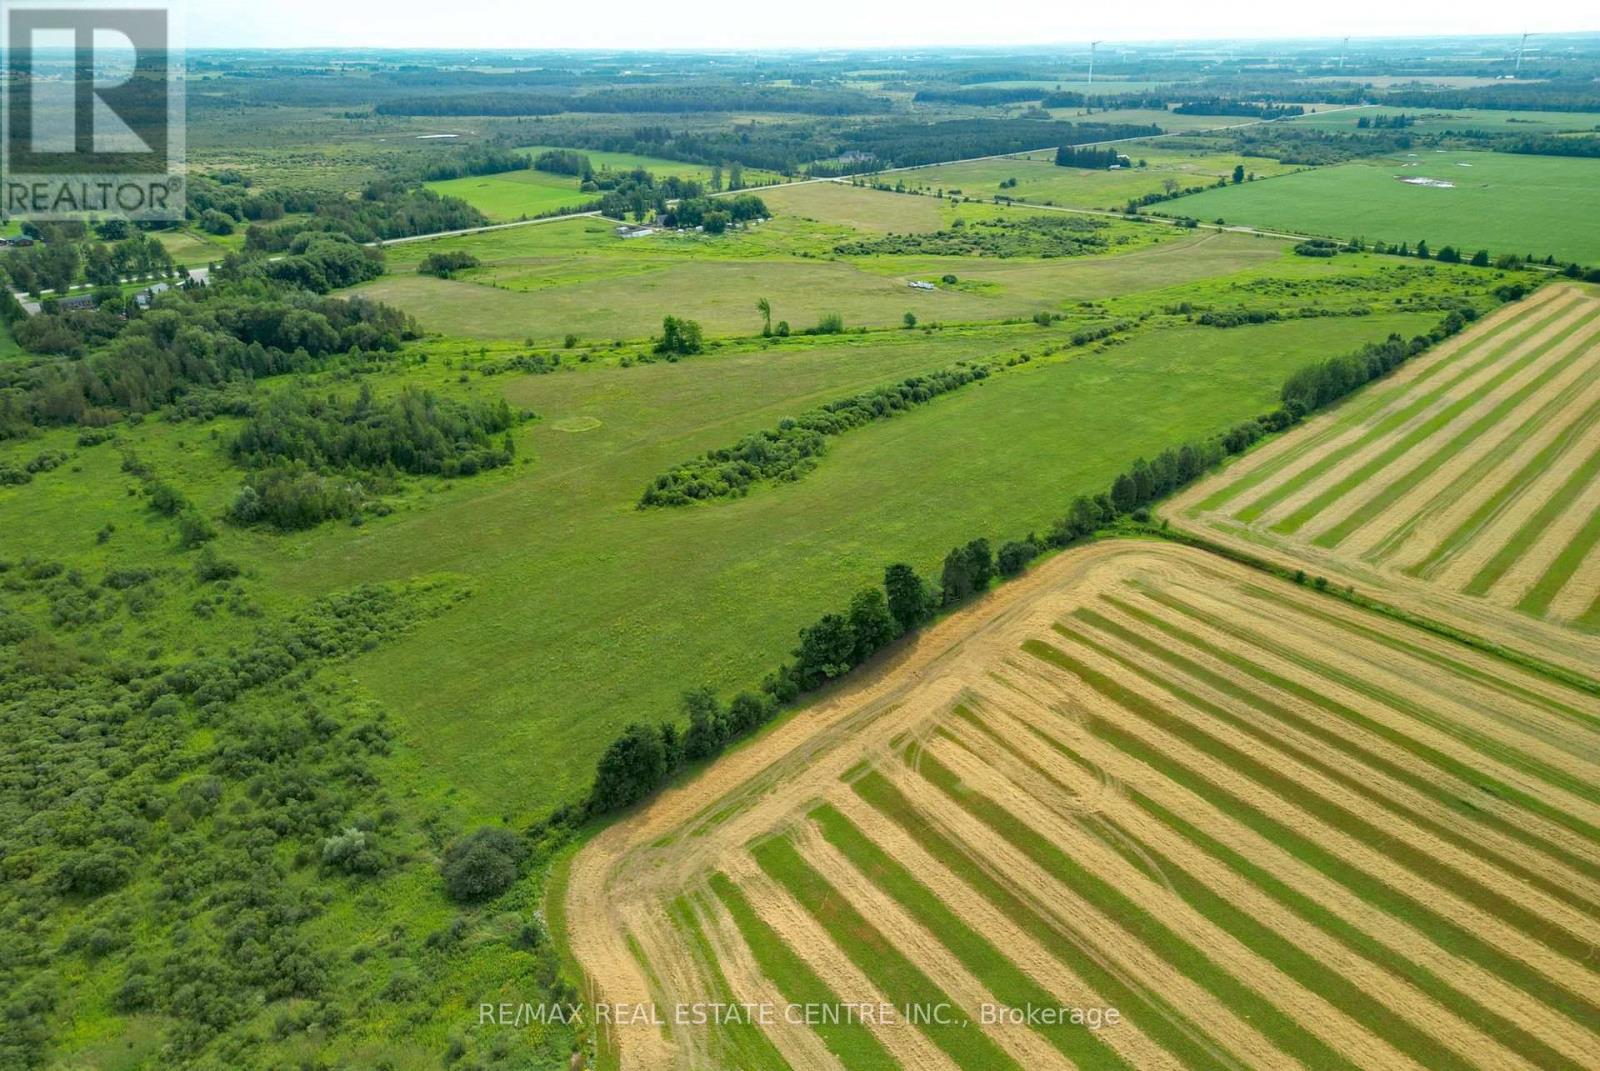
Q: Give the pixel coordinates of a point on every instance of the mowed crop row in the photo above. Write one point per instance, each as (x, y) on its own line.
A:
(1476, 471)
(1267, 827)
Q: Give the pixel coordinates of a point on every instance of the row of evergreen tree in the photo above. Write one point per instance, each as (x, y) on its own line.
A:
(1087, 157)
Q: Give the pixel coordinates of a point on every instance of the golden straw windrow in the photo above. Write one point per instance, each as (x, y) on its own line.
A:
(1466, 487)
(1143, 808)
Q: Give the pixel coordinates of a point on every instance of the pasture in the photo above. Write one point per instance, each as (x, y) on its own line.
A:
(548, 280)
(588, 613)
(192, 248)
(1265, 827)
(513, 195)
(1040, 181)
(1472, 476)
(859, 208)
(1539, 205)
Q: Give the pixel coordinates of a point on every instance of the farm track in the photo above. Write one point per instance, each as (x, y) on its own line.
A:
(1140, 777)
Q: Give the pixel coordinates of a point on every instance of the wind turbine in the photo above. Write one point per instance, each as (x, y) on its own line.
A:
(1517, 71)
(1345, 48)
(1092, 46)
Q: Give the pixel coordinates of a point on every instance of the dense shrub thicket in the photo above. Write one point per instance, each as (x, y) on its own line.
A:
(176, 826)
(382, 211)
(415, 431)
(790, 450)
(192, 341)
(445, 265)
(317, 459)
(1030, 236)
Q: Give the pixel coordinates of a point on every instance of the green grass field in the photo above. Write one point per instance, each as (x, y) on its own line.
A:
(191, 248)
(1040, 181)
(514, 195)
(572, 631)
(1505, 203)
(548, 280)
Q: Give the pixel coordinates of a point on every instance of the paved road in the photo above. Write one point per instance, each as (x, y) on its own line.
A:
(490, 227)
(31, 307)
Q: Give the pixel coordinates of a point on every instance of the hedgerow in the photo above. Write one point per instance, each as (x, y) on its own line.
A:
(790, 450)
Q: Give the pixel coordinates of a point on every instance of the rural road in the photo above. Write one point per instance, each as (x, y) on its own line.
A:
(488, 228)
(201, 274)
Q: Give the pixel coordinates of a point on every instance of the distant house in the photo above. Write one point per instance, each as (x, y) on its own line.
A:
(917, 284)
(74, 304)
(627, 231)
(144, 297)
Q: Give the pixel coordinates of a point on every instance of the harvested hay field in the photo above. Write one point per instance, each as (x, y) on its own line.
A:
(1268, 828)
(1465, 485)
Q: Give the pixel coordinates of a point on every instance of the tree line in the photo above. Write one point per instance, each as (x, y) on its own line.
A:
(381, 212)
(645, 756)
(317, 261)
(644, 100)
(1089, 158)
(904, 144)
(790, 450)
(477, 160)
(1248, 109)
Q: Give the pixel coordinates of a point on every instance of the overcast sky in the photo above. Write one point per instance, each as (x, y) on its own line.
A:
(852, 23)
